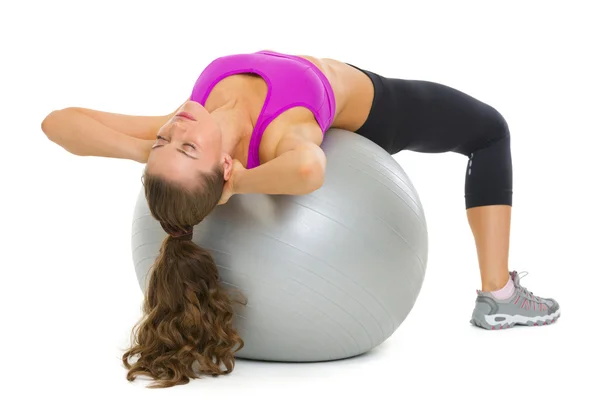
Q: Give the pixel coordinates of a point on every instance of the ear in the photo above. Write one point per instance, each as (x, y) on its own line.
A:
(227, 164)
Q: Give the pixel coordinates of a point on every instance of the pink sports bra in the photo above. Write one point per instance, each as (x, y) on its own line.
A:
(291, 81)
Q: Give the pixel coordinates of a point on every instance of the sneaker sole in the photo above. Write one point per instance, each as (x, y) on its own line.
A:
(489, 322)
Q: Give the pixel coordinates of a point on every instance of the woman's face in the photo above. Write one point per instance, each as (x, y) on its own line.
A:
(189, 143)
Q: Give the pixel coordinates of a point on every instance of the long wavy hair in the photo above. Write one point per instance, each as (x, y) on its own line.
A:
(187, 326)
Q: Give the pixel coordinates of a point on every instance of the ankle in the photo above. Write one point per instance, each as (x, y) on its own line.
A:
(494, 283)
(492, 286)
(505, 292)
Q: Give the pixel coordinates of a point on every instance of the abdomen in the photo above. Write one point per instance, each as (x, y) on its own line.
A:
(353, 92)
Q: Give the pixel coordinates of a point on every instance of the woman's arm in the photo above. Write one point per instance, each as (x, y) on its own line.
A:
(87, 132)
(298, 168)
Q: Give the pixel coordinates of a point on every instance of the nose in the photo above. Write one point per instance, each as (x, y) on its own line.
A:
(178, 129)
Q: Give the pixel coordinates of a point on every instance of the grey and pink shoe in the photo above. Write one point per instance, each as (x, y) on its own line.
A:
(522, 308)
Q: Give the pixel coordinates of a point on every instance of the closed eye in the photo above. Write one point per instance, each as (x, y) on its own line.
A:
(186, 144)
(177, 149)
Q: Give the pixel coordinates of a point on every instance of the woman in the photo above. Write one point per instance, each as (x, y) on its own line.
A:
(254, 124)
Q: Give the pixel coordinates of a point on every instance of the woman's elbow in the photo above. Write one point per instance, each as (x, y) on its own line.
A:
(314, 179)
(47, 122)
(312, 171)
(53, 122)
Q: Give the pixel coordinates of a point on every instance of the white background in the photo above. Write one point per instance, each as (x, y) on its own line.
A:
(69, 296)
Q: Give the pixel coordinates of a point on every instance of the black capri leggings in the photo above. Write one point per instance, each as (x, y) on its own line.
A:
(428, 117)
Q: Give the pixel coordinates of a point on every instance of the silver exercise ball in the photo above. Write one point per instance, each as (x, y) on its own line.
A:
(328, 275)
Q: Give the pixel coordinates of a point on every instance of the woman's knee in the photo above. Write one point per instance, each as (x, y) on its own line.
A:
(489, 177)
(498, 126)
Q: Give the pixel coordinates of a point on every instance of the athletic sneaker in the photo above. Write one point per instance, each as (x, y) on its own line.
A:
(521, 308)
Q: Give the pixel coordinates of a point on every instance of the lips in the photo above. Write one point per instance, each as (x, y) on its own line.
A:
(186, 115)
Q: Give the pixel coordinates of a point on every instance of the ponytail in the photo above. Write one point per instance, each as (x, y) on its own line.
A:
(187, 329)
(187, 326)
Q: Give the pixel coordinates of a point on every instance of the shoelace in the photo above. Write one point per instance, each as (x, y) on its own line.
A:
(528, 294)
